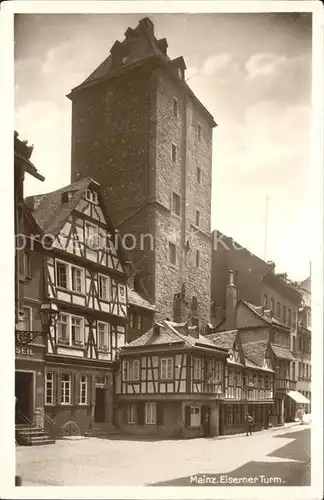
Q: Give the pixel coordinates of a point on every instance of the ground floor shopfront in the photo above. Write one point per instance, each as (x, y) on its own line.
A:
(176, 418)
(232, 416)
(29, 383)
(77, 395)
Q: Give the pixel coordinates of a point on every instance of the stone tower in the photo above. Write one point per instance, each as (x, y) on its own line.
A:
(139, 130)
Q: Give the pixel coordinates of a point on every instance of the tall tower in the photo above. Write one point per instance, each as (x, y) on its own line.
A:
(139, 130)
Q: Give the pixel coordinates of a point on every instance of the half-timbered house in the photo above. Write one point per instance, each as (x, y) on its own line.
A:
(84, 269)
(249, 380)
(171, 383)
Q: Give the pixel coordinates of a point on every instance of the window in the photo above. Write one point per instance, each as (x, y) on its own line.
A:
(176, 204)
(195, 416)
(91, 196)
(166, 368)
(289, 317)
(174, 152)
(229, 415)
(77, 279)
(294, 319)
(293, 375)
(299, 369)
(27, 319)
(218, 371)
(172, 253)
(238, 378)
(197, 258)
(27, 265)
(230, 378)
(150, 413)
(197, 369)
(265, 300)
(132, 322)
(103, 336)
(272, 307)
(175, 107)
(49, 395)
(77, 330)
(195, 322)
(131, 369)
(284, 314)
(278, 310)
(104, 287)
(62, 274)
(63, 335)
(294, 344)
(306, 370)
(92, 236)
(199, 175)
(180, 73)
(66, 389)
(131, 414)
(139, 322)
(199, 132)
(83, 390)
(197, 217)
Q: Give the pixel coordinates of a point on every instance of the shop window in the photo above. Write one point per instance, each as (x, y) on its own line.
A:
(237, 415)
(229, 415)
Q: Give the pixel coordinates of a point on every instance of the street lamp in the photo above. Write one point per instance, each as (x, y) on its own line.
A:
(49, 314)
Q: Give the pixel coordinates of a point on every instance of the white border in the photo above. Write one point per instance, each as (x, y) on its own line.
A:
(7, 465)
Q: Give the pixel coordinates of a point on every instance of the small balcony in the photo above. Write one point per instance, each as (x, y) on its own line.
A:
(285, 384)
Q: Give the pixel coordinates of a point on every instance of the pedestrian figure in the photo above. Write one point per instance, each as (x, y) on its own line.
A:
(248, 424)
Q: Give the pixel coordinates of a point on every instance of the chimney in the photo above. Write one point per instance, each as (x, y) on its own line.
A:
(193, 331)
(156, 330)
(180, 308)
(231, 302)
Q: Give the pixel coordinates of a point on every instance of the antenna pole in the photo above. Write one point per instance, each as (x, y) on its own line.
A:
(266, 228)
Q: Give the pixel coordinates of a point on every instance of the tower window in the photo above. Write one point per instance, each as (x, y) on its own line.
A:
(197, 217)
(172, 253)
(199, 175)
(199, 132)
(176, 202)
(180, 73)
(197, 258)
(175, 107)
(174, 152)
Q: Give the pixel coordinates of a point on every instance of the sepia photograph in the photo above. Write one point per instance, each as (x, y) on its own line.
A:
(167, 215)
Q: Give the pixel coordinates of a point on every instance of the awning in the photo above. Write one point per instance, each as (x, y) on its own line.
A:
(298, 397)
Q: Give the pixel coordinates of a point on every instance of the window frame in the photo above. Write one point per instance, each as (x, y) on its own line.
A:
(197, 258)
(69, 279)
(166, 368)
(176, 204)
(29, 318)
(174, 155)
(152, 413)
(92, 196)
(199, 132)
(70, 343)
(196, 421)
(51, 382)
(132, 370)
(69, 385)
(198, 175)
(78, 342)
(83, 387)
(103, 347)
(197, 220)
(172, 247)
(131, 414)
(197, 367)
(175, 107)
(108, 287)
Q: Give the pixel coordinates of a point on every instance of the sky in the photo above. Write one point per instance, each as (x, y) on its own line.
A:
(251, 71)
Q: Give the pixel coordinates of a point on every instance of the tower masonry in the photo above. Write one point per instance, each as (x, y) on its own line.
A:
(140, 131)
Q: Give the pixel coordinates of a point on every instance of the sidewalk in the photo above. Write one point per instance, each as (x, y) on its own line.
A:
(287, 425)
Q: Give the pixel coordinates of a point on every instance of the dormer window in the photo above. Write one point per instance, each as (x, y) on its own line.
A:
(180, 73)
(91, 196)
(125, 59)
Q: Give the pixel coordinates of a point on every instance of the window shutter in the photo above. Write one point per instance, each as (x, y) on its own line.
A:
(59, 388)
(54, 388)
(77, 388)
(187, 416)
(159, 413)
(141, 413)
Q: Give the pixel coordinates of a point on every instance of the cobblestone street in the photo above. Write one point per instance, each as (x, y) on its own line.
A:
(282, 453)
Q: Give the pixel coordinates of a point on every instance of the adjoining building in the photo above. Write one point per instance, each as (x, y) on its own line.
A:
(140, 131)
(171, 383)
(83, 276)
(304, 343)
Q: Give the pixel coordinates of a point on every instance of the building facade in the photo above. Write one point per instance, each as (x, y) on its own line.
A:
(304, 343)
(139, 130)
(171, 383)
(83, 275)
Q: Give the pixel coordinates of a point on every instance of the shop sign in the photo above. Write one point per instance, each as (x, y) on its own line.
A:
(25, 351)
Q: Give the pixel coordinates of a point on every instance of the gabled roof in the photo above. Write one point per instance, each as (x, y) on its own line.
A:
(48, 210)
(256, 351)
(135, 299)
(225, 340)
(168, 334)
(282, 352)
(260, 312)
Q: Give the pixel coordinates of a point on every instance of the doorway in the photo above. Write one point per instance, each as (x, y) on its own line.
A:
(205, 417)
(24, 396)
(100, 405)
